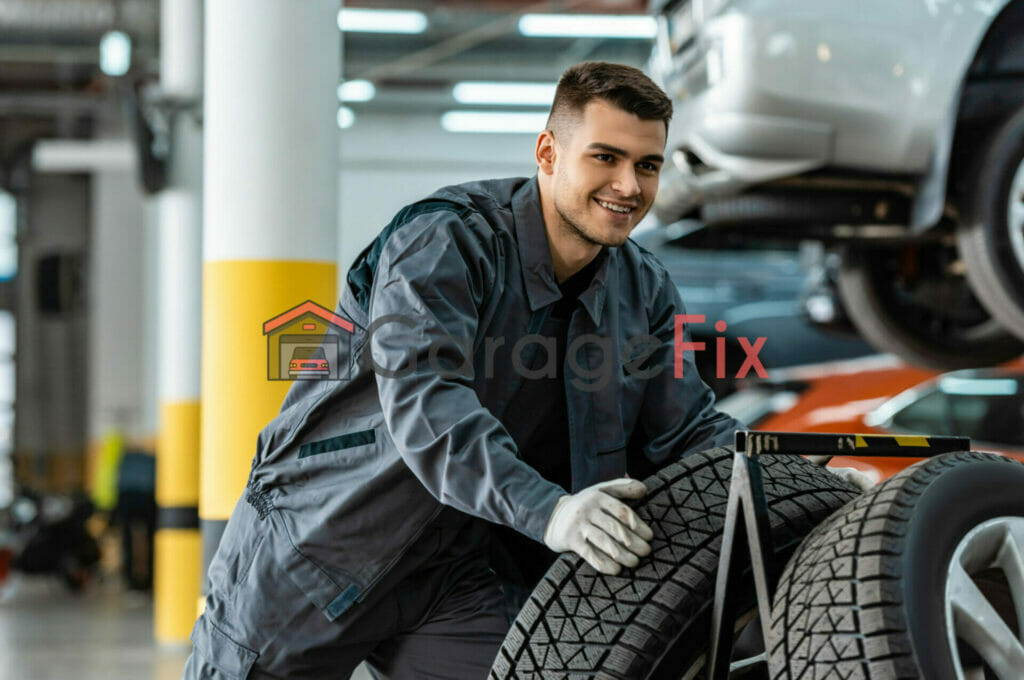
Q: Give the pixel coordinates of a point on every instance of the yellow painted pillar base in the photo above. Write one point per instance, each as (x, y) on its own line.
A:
(177, 455)
(175, 584)
(178, 545)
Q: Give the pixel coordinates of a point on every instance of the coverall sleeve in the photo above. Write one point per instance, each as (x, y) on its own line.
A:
(432, 279)
(678, 414)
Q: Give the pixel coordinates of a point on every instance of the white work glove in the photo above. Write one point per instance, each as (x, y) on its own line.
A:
(598, 527)
(858, 478)
(861, 480)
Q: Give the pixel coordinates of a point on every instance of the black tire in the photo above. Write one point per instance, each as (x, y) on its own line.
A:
(991, 243)
(652, 621)
(789, 209)
(904, 300)
(864, 596)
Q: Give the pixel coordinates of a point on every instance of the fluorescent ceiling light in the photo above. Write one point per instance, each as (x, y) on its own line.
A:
(115, 53)
(381, 20)
(356, 91)
(587, 26)
(475, 92)
(493, 121)
(346, 117)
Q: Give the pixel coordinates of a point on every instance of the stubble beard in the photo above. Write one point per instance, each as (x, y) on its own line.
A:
(574, 228)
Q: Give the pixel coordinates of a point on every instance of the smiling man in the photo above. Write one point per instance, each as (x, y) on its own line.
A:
(512, 377)
(598, 167)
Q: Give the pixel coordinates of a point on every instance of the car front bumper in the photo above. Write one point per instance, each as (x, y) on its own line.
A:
(759, 98)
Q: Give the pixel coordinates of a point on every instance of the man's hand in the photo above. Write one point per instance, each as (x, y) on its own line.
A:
(598, 527)
(858, 478)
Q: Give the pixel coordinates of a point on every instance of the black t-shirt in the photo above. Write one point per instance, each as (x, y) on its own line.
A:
(538, 417)
(538, 421)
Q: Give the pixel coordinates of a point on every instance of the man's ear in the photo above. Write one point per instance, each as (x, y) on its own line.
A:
(545, 152)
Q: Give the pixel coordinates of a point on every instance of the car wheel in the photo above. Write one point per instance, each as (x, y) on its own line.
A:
(909, 300)
(922, 577)
(991, 239)
(653, 621)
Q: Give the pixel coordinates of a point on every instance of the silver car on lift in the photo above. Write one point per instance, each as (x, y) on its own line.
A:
(893, 132)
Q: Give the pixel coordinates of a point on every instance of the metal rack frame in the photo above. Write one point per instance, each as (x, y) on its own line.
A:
(746, 496)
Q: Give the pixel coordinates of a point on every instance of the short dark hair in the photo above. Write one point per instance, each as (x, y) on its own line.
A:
(623, 86)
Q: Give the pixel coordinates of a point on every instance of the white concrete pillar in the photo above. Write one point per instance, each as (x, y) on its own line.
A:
(177, 562)
(270, 216)
(117, 295)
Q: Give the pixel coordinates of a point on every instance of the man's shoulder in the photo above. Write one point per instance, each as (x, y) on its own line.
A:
(481, 209)
(483, 196)
(466, 214)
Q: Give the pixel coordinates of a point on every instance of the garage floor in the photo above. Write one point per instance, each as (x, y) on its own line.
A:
(106, 634)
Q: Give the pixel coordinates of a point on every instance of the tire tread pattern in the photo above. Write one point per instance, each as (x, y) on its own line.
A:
(582, 624)
(837, 612)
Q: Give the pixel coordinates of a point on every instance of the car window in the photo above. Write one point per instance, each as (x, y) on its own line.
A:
(995, 418)
(306, 353)
(927, 415)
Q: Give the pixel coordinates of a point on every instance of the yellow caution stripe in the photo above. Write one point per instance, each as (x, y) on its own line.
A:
(912, 441)
(900, 440)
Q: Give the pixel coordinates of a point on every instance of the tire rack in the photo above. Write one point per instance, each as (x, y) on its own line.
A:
(746, 495)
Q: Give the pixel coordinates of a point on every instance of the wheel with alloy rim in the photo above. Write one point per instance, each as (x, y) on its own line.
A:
(985, 613)
(922, 577)
(910, 299)
(991, 237)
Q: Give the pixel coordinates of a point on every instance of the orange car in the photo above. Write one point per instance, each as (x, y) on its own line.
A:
(882, 395)
(308, 363)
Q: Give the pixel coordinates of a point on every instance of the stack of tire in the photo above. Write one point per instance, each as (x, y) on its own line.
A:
(922, 577)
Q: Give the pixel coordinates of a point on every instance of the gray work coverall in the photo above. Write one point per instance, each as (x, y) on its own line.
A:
(351, 471)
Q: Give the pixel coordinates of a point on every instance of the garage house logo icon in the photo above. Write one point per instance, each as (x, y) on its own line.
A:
(304, 343)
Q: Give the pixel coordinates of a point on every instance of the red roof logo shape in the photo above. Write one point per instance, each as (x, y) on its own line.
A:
(307, 307)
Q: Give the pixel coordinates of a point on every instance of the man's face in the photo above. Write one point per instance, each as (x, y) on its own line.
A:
(606, 173)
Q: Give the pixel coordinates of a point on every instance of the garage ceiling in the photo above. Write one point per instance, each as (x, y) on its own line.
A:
(51, 84)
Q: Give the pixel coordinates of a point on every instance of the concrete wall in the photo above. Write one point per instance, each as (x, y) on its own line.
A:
(52, 349)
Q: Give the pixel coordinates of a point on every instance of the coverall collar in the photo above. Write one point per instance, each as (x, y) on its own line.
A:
(535, 256)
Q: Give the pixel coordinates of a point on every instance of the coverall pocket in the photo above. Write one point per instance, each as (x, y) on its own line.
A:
(330, 591)
(339, 443)
(343, 461)
(229, 658)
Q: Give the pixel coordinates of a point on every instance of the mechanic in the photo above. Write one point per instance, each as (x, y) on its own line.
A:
(511, 346)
